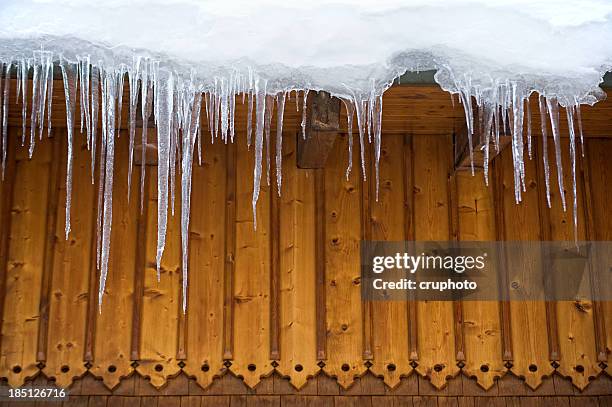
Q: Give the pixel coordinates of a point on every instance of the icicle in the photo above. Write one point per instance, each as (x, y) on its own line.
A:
(70, 83)
(553, 111)
(250, 121)
(50, 98)
(133, 74)
(164, 107)
(46, 64)
(350, 112)
(304, 110)
(469, 119)
(146, 107)
(517, 140)
(529, 129)
(377, 127)
(543, 120)
(199, 136)
(24, 67)
(79, 75)
(487, 131)
(35, 108)
(5, 99)
(186, 177)
(173, 154)
(84, 91)
(267, 124)
(95, 108)
(107, 222)
(232, 105)
(279, 141)
(359, 107)
(102, 170)
(259, 135)
(572, 139)
(120, 82)
(3, 141)
(579, 118)
(224, 109)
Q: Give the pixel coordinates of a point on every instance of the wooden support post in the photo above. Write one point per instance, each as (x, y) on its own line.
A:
(322, 127)
(93, 286)
(546, 236)
(139, 275)
(6, 203)
(503, 283)
(366, 234)
(453, 214)
(49, 250)
(275, 275)
(320, 284)
(409, 235)
(230, 252)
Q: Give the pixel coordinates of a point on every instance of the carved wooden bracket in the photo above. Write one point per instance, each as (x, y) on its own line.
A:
(462, 147)
(322, 127)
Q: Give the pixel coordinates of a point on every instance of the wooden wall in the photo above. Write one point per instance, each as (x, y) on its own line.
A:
(285, 299)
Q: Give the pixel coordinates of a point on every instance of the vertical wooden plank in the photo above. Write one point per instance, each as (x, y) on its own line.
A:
(481, 319)
(48, 247)
(546, 234)
(206, 265)
(94, 283)
(251, 294)
(113, 325)
(7, 185)
(343, 297)
(390, 318)
(298, 274)
(497, 169)
(161, 300)
(436, 338)
(139, 272)
(230, 251)
(71, 272)
(25, 262)
(409, 235)
(367, 196)
(275, 264)
(576, 346)
(453, 217)
(320, 264)
(598, 196)
(529, 340)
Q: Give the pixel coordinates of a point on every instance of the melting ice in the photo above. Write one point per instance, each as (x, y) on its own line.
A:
(186, 61)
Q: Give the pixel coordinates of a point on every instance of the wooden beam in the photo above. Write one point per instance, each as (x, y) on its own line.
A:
(321, 128)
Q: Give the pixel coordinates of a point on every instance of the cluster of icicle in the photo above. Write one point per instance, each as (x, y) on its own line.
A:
(177, 105)
(505, 109)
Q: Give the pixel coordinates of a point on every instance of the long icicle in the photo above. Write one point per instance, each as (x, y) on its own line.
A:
(163, 109)
(70, 83)
(572, 141)
(279, 141)
(543, 121)
(553, 111)
(350, 112)
(186, 175)
(133, 82)
(260, 94)
(5, 107)
(107, 222)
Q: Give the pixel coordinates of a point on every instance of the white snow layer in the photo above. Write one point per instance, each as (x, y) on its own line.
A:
(187, 59)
